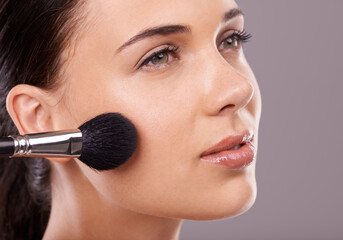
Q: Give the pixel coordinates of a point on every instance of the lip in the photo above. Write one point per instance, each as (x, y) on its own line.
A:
(233, 159)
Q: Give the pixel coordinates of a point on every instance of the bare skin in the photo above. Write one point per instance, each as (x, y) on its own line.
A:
(181, 104)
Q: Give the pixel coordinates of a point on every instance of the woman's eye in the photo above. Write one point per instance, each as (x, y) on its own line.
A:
(234, 40)
(230, 42)
(160, 58)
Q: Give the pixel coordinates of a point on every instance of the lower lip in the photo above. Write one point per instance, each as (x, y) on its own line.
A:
(233, 159)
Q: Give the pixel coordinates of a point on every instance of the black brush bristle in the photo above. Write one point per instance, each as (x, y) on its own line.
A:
(108, 140)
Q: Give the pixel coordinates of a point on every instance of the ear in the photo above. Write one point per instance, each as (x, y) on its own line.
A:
(27, 107)
(30, 109)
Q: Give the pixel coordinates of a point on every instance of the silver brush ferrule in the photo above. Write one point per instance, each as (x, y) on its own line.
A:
(66, 143)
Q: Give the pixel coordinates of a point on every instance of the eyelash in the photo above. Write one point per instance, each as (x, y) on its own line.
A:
(242, 37)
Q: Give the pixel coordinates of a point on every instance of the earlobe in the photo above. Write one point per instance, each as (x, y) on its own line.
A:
(25, 104)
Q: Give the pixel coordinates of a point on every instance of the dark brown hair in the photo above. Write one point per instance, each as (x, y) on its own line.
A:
(33, 34)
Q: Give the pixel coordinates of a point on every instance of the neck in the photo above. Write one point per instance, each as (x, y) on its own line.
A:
(80, 213)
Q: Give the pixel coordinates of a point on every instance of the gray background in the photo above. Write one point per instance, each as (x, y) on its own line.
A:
(296, 54)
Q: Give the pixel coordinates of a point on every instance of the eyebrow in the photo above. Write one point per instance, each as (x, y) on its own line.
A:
(173, 29)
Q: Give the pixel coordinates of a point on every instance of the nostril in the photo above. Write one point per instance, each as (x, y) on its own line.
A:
(229, 106)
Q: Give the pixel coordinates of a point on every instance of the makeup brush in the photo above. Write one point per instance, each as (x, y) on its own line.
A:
(104, 142)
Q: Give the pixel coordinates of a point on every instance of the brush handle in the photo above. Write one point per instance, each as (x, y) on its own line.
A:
(66, 143)
(6, 147)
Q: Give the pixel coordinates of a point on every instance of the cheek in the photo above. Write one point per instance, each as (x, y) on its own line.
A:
(163, 129)
(164, 155)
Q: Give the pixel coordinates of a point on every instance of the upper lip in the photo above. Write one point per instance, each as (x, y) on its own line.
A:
(230, 141)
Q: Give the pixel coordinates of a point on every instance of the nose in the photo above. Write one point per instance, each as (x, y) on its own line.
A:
(226, 89)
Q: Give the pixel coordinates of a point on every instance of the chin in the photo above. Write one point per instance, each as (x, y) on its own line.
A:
(226, 204)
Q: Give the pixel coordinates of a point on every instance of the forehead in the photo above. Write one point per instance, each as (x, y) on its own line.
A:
(129, 17)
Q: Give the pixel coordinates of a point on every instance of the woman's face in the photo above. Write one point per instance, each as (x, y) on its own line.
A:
(178, 101)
